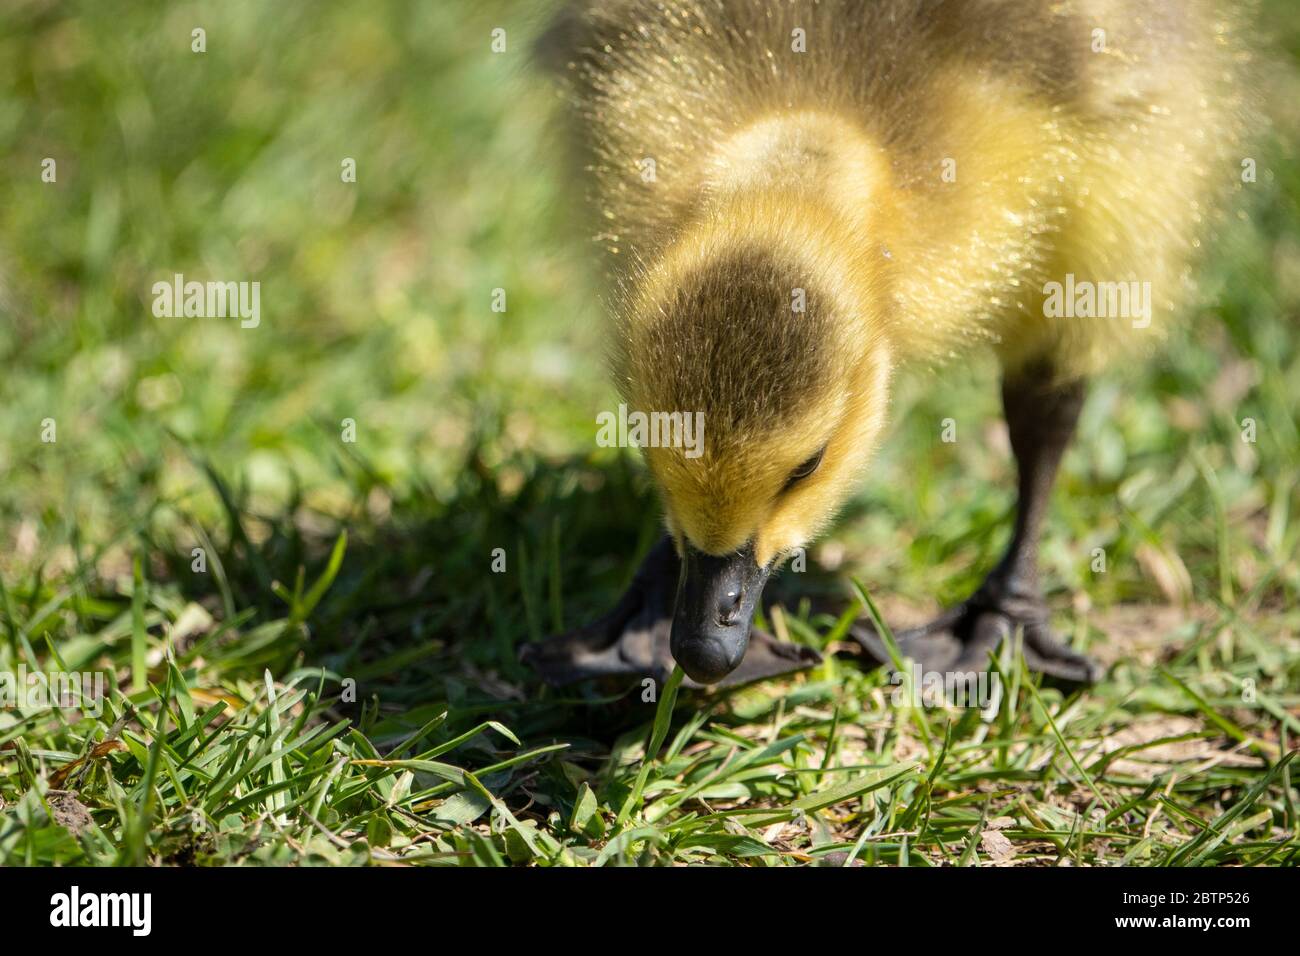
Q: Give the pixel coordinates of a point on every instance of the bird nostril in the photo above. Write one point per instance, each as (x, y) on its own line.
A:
(729, 608)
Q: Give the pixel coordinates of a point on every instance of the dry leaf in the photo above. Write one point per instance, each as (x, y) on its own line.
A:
(60, 776)
(773, 833)
(997, 846)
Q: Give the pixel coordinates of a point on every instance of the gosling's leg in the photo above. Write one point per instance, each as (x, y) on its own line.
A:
(1041, 417)
(633, 639)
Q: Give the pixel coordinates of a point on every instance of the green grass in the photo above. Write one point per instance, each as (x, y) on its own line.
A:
(340, 685)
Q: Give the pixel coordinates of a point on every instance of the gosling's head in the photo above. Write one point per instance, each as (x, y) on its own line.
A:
(772, 338)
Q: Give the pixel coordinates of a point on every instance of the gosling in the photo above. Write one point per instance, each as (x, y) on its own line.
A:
(797, 199)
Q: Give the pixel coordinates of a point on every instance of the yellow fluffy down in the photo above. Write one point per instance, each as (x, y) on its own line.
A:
(1032, 175)
(1000, 144)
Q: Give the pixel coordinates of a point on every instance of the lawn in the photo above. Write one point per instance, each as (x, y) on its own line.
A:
(283, 545)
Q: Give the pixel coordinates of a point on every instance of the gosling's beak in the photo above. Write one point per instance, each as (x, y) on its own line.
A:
(716, 598)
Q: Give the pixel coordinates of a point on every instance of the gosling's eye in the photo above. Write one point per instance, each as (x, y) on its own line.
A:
(806, 469)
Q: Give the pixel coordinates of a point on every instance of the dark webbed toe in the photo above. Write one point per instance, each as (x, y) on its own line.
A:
(962, 639)
(632, 639)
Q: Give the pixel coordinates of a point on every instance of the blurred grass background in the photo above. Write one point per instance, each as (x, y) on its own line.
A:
(475, 428)
(223, 164)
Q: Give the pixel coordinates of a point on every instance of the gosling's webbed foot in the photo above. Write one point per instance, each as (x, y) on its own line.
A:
(961, 639)
(633, 638)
